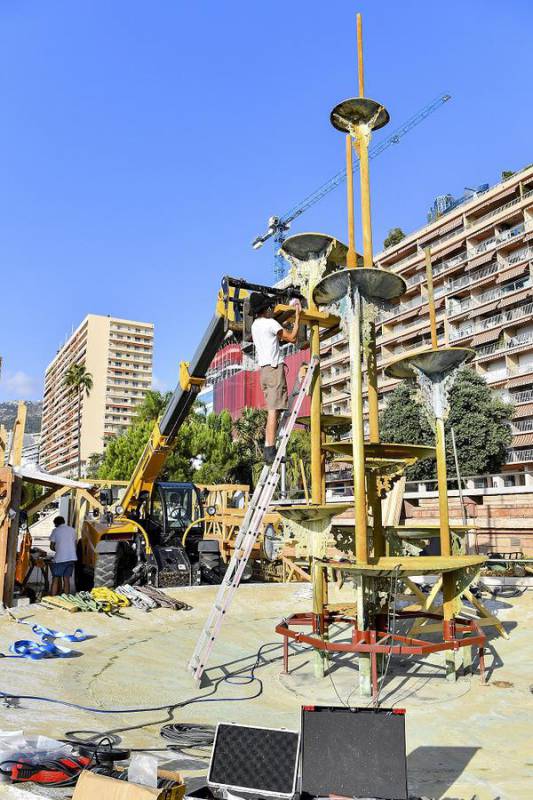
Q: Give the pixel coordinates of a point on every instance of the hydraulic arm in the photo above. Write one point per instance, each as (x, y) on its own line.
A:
(229, 316)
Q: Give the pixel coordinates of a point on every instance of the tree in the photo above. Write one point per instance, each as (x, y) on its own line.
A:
(395, 236)
(213, 452)
(480, 420)
(403, 421)
(153, 405)
(94, 462)
(79, 382)
(478, 416)
(123, 452)
(298, 450)
(249, 433)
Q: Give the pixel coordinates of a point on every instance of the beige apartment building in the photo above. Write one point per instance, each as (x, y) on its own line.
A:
(482, 253)
(118, 354)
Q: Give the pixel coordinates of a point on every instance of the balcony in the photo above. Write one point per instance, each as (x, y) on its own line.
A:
(518, 255)
(526, 396)
(499, 347)
(522, 426)
(495, 241)
(496, 211)
(519, 456)
(491, 322)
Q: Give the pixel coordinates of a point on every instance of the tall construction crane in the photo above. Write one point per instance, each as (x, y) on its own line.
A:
(278, 226)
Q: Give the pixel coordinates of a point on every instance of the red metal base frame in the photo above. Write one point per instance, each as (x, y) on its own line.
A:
(384, 642)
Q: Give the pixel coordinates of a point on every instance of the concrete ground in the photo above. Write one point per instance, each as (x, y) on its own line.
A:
(463, 738)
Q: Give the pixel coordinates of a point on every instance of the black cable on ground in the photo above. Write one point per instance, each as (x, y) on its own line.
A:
(184, 736)
(236, 677)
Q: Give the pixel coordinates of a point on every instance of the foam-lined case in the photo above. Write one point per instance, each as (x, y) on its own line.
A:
(353, 752)
(257, 760)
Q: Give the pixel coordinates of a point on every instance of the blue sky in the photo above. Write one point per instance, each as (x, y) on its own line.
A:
(143, 145)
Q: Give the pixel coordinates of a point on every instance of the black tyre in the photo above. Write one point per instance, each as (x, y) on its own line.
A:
(112, 569)
(106, 570)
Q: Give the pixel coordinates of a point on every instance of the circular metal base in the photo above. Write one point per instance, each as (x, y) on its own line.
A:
(430, 362)
(373, 284)
(303, 246)
(358, 111)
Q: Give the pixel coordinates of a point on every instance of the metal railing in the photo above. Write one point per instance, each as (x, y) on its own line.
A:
(497, 319)
(494, 241)
(496, 211)
(495, 347)
(473, 277)
(519, 456)
(525, 396)
(522, 425)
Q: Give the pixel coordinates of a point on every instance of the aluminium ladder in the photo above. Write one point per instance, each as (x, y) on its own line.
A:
(250, 528)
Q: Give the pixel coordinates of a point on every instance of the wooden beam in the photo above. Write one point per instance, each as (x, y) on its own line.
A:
(3, 444)
(12, 542)
(46, 499)
(18, 435)
(6, 489)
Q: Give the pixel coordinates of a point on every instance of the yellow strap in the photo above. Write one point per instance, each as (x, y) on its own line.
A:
(108, 596)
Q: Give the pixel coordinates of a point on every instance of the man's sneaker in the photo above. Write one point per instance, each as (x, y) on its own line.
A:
(269, 454)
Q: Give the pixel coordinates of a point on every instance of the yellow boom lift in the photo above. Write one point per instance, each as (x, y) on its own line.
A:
(141, 541)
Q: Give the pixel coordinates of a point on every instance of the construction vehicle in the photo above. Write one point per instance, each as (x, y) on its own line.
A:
(141, 540)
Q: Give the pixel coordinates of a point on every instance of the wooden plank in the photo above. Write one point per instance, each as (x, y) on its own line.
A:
(18, 435)
(12, 543)
(48, 497)
(6, 488)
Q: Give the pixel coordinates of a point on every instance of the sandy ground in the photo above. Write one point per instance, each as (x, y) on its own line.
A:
(463, 738)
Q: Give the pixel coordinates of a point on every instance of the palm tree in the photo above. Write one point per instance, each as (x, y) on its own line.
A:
(153, 405)
(78, 381)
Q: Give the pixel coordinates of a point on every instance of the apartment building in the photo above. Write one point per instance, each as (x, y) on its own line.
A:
(482, 254)
(118, 354)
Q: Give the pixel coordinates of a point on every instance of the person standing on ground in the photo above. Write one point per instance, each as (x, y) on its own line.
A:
(267, 336)
(63, 543)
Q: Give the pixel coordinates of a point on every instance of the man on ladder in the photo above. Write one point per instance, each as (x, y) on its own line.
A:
(252, 523)
(267, 336)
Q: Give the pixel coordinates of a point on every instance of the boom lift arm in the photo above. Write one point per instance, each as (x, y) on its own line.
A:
(228, 316)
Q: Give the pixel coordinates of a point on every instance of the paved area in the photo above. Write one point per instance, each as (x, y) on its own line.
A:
(462, 738)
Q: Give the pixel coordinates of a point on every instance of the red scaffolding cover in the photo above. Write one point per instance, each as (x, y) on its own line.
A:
(243, 389)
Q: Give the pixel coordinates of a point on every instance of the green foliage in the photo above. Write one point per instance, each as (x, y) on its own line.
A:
(78, 380)
(478, 416)
(403, 421)
(249, 433)
(507, 173)
(395, 236)
(298, 449)
(92, 467)
(210, 448)
(153, 405)
(480, 420)
(123, 452)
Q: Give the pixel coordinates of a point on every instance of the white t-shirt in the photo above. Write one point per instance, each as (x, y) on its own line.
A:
(265, 338)
(64, 538)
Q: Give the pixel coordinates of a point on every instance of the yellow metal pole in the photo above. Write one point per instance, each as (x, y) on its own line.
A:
(351, 257)
(363, 134)
(431, 299)
(360, 64)
(440, 446)
(316, 428)
(358, 442)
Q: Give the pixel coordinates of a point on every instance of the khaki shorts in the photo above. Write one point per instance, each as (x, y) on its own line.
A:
(274, 386)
